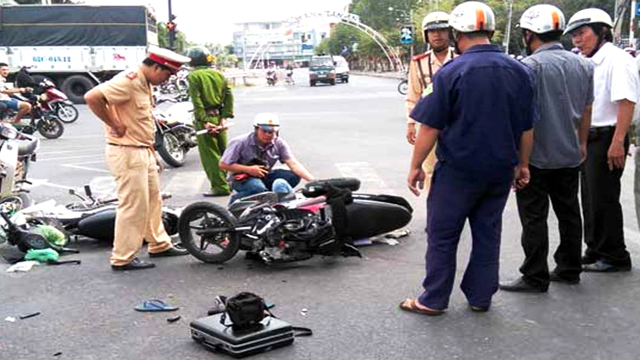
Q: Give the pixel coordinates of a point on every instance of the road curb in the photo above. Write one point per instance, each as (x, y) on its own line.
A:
(388, 75)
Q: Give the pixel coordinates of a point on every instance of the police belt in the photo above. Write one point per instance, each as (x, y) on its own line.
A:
(130, 146)
(212, 112)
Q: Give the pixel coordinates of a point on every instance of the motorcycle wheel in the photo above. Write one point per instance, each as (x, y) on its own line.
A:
(224, 242)
(403, 87)
(66, 113)
(50, 127)
(171, 152)
(20, 200)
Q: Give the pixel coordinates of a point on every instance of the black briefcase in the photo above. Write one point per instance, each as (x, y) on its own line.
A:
(269, 334)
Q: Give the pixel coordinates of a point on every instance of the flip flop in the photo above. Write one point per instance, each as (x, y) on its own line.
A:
(155, 305)
(411, 306)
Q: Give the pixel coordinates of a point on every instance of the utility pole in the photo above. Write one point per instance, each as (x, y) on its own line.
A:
(508, 32)
(172, 32)
(632, 24)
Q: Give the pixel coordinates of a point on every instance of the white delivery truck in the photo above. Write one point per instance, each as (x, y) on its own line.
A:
(75, 46)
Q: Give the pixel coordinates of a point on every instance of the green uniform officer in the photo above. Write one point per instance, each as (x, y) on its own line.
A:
(213, 105)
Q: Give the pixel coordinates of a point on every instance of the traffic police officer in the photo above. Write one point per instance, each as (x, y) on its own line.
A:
(481, 112)
(212, 105)
(423, 67)
(124, 104)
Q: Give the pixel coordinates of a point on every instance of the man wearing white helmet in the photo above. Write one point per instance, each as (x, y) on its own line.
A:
(617, 89)
(249, 160)
(435, 29)
(481, 112)
(560, 146)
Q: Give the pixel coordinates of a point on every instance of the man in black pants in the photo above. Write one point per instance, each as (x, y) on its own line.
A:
(617, 88)
(560, 141)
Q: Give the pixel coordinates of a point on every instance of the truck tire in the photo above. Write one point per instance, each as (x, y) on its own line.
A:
(76, 86)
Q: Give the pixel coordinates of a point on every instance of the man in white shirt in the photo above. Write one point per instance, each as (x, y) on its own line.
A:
(22, 108)
(616, 90)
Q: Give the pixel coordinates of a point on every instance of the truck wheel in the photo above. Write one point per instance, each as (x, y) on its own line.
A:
(76, 86)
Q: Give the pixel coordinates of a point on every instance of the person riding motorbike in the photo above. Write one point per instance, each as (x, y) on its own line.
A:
(249, 161)
(22, 108)
(272, 77)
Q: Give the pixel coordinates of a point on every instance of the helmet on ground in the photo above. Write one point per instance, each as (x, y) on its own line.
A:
(200, 56)
(267, 121)
(472, 16)
(542, 19)
(588, 16)
(435, 20)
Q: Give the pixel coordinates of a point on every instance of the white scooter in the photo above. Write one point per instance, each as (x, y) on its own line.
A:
(17, 150)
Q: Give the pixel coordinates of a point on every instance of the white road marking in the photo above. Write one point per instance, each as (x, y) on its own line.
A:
(369, 179)
(186, 182)
(73, 157)
(74, 166)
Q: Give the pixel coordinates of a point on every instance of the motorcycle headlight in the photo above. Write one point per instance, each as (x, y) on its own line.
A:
(9, 132)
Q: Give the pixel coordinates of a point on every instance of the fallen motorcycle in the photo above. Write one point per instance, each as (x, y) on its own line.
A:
(92, 217)
(324, 220)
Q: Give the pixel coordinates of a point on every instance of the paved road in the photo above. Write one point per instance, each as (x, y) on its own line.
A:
(354, 129)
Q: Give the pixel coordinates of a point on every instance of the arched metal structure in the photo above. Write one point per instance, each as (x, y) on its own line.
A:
(345, 18)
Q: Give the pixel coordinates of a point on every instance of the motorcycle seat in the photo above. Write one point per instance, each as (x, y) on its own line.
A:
(321, 187)
(27, 147)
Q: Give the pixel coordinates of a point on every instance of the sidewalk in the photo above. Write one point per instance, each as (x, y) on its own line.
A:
(387, 74)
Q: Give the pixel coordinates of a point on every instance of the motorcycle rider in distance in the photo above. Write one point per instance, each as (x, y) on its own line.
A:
(272, 77)
(249, 161)
(22, 108)
(422, 69)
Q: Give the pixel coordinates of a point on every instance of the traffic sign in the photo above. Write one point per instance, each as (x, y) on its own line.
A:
(406, 35)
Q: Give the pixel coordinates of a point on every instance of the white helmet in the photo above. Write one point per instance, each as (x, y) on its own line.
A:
(435, 20)
(542, 19)
(472, 16)
(588, 16)
(268, 120)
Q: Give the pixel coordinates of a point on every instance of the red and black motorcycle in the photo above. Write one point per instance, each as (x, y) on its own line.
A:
(324, 220)
(50, 98)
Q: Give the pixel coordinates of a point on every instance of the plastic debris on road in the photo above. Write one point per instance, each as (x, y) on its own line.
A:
(362, 242)
(22, 266)
(10, 319)
(400, 233)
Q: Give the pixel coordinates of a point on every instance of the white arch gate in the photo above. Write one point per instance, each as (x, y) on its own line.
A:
(345, 18)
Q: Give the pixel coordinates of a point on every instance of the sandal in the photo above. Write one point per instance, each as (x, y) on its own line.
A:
(411, 305)
(155, 305)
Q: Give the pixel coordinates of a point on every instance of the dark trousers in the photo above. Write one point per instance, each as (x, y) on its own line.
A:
(603, 224)
(561, 186)
(454, 198)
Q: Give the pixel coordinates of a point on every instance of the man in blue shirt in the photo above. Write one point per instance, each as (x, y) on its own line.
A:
(480, 111)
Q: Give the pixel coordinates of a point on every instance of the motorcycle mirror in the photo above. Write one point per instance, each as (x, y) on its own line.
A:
(87, 191)
(72, 192)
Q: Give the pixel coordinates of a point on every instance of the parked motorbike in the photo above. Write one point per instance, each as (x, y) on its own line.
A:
(272, 78)
(174, 136)
(49, 96)
(17, 151)
(46, 123)
(92, 217)
(177, 87)
(323, 220)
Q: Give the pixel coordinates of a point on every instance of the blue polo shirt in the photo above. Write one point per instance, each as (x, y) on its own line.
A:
(481, 102)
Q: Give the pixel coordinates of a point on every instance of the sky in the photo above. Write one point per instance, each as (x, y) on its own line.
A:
(213, 20)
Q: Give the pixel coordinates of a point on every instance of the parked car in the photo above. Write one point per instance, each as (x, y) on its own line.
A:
(342, 69)
(322, 69)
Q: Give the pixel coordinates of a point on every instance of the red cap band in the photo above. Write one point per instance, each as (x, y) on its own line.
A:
(173, 65)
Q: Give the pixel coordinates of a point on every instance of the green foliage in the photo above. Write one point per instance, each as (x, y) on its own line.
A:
(181, 44)
(376, 14)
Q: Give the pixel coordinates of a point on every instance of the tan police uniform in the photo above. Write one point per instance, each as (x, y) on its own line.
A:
(132, 161)
(421, 71)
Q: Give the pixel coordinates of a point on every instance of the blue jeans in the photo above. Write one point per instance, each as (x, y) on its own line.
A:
(279, 180)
